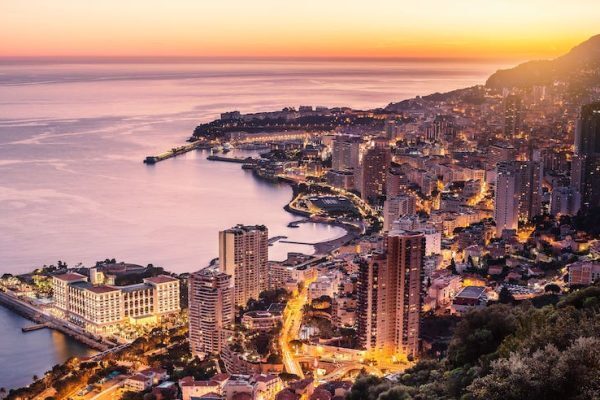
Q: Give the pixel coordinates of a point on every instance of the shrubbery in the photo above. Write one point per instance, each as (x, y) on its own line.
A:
(509, 353)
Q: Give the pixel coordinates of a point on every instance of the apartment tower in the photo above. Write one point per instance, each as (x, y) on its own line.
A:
(389, 296)
(243, 254)
(211, 311)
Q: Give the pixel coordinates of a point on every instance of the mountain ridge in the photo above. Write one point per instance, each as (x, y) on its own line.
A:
(572, 66)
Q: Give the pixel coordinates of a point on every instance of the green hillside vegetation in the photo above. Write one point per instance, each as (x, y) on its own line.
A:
(508, 352)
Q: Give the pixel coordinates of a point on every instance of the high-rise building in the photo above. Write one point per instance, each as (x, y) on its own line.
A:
(376, 162)
(500, 152)
(389, 296)
(367, 288)
(518, 193)
(396, 207)
(345, 153)
(585, 173)
(512, 115)
(211, 310)
(243, 254)
(565, 201)
(442, 128)
(396, 182)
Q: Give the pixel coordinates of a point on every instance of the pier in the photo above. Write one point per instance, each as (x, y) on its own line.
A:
(247, 160)
(34, 327)
(40, 318)
(275, 239)
(175, 151)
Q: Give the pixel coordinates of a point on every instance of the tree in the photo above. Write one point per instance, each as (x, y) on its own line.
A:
(480, 333)
(547, 373)
(552, 288)
(505, 296)
(453, 267)
(398, 392)
(367, 387)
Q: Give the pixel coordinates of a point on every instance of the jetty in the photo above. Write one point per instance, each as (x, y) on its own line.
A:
(40, 318)
(238, 160)
(275, 239)
(32, 328)
(175, 151)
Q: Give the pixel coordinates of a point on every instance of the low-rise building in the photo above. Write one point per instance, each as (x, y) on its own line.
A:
(442, 290)
(469, 298)
(261, 320)
(104, 309)
(584, 272)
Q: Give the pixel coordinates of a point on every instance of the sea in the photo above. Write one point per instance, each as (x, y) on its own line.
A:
(73, 186)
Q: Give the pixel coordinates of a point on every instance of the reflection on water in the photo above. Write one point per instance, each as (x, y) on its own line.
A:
(23, 355)
(72, 138)
(73, 186)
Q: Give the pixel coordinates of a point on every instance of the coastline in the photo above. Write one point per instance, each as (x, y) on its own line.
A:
(327, 246)
(25, 310)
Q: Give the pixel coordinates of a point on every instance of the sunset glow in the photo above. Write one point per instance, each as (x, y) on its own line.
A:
(507, 29)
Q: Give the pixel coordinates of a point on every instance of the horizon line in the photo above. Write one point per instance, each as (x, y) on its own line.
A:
(190, 59)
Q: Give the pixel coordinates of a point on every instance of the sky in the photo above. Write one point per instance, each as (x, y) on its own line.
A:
(481, 29)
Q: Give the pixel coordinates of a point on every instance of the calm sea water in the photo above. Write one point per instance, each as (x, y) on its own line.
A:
(23, 355)
(73, 137)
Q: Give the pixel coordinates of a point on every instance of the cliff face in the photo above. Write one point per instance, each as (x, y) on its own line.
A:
(581, 63)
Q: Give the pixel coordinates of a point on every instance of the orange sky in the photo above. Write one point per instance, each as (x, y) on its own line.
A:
(509, 29)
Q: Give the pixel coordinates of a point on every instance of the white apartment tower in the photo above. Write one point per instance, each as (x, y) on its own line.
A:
(243, 254)
(211, 311)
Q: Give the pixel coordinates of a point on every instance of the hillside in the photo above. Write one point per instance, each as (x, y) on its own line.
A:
(509, 352)
(580, 65)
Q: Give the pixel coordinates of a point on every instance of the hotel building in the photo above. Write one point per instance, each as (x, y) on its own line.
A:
(104, 309)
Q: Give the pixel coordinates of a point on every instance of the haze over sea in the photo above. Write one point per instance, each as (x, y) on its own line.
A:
(73, 137)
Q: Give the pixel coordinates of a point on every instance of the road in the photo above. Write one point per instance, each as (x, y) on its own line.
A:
(292, 319)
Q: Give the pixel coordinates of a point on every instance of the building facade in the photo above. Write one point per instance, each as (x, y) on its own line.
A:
(375, 164)
(243, 254)
(585, 173)
(389, 296)
(104, 309)
(517, 193)
(211, 311)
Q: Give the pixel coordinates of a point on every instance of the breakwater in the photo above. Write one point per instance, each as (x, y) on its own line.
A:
(175, 151)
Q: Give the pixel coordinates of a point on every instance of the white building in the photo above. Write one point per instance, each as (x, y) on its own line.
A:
(243, 254)
(103, 309)
(211, 311)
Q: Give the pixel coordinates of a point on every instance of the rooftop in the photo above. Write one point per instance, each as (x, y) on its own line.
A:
(160, 279)
(69, 277)
(471, 292)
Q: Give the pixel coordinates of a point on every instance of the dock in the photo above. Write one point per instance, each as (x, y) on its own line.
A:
(33, 327)
(32, 313)
(175, 151)
(247, 160)
(275, 239)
